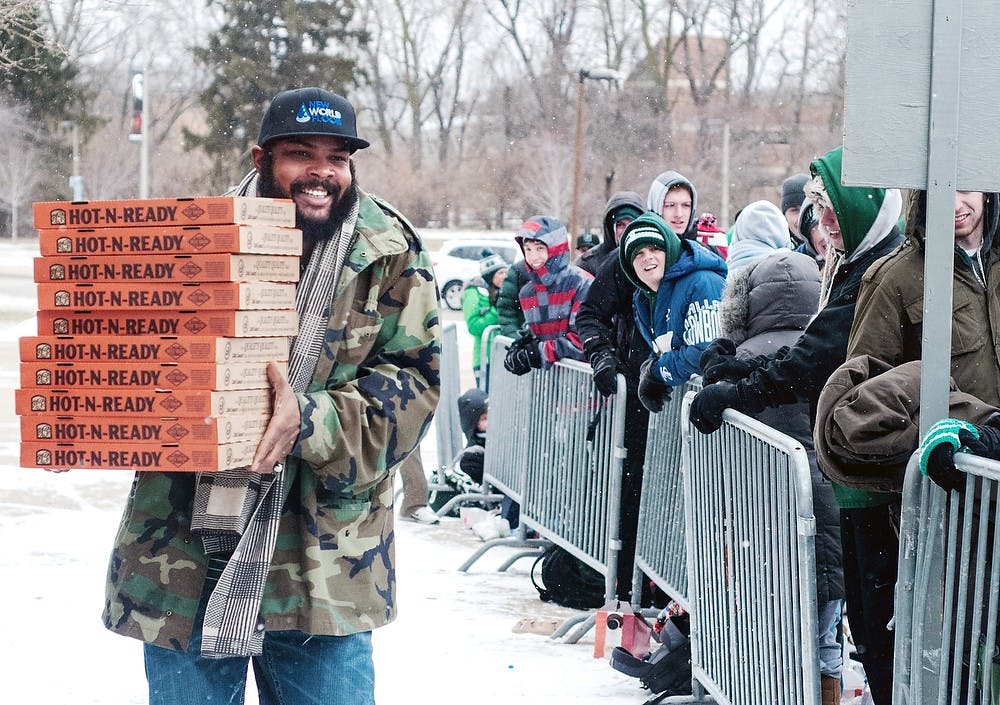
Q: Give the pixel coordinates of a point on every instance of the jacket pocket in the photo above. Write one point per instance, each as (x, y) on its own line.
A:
(969, 329)
(360, 333)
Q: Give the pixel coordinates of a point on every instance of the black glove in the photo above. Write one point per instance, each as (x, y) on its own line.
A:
(522, 356)
(718, 362)
(653, 391)
(939, 463)
(708, 405)
(606, 369)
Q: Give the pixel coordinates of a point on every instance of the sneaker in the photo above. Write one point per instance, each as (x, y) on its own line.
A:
(423, 515)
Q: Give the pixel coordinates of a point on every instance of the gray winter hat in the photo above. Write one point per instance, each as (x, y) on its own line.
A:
(792, 194)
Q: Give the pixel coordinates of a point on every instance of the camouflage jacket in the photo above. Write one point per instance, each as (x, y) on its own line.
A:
(370, 402)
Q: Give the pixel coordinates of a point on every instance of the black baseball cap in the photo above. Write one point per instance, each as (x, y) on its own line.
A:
(310, 111)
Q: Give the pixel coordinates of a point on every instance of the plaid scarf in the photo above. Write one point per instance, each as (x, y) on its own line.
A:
(237, 511)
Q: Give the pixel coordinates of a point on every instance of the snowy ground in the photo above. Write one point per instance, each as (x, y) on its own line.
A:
(452, 643)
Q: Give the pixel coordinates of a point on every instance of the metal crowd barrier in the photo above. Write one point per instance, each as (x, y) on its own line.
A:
(660, 546)
(947, 589)
(555, 446)
(751, 564)
(486, 344)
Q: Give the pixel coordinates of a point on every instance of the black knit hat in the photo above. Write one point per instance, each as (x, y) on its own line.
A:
(792, 194)
(310, 111)
(587, 240)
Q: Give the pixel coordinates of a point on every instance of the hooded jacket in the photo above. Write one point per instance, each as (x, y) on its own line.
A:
(766, 305)
(760, 230)
(480, 313)
(370, 402)
(888, 324)
(799, 372)
(552, 296)
(658, 191)
(591, 260)
(681, 317)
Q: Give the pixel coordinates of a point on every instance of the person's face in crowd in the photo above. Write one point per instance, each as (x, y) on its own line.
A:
(969, 207)
(620, 224)
(828, 219)
(498, 277)
(792, 216)
(649, 264)
(482, 423)
(676, 209)
(535, 253)
(817, 238)
(312, 170)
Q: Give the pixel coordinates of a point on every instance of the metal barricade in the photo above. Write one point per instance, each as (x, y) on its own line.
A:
(751, 563)
(947, 589)
(486, 360)
(447, 426)
(556, 447)
(660, 546)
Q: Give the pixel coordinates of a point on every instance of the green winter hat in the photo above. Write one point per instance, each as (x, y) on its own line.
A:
(648, 230)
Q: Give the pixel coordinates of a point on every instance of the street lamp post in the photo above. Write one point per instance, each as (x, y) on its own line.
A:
(75, 179)
(604, 74)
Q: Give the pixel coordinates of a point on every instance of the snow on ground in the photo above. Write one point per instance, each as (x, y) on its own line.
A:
(452, 642)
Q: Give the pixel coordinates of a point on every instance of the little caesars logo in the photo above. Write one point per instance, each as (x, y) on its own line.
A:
(318, 111)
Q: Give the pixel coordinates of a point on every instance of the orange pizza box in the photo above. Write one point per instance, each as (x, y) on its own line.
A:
(237, 324)
(171, 268)
(202, 295)
(98, 429)
(156, 375)
(216, 210)
(167, 239)
(168, 457)
(98, 348)
(141, 403)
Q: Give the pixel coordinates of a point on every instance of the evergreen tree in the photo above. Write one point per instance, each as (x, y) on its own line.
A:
(264, 47)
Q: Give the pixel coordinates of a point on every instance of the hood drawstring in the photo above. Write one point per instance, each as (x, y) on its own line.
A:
(977, 267)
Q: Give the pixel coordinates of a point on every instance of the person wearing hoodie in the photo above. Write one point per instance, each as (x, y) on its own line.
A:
(760, 230)
(814, 241)
(674, 197)
(479, 307)
(678, 287)
(862, 227)
(767, 302)
(550, 299)
(621, 209)
(888, 327)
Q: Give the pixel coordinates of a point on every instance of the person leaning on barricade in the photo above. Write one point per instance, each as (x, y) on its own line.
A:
(678, 287)
(885, 342)
(771, 294)
(862, 226)
(549, 300)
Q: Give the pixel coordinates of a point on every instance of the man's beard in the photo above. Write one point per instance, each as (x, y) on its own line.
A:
(313, 231)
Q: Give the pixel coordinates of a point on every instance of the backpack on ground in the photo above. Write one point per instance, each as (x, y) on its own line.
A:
(568, 581)
(666, 671)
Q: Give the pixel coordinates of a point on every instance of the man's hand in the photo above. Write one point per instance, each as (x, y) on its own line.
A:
(605, 366)
(283, 429)
(718, 363)
(522, 355)
(653, 391)
(708, 405)
(950, 436)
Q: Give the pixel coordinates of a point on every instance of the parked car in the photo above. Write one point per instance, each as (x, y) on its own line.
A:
(458, 261)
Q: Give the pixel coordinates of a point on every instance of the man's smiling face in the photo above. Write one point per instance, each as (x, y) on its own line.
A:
(312, 170)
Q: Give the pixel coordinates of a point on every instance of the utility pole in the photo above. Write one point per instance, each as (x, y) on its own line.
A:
(604, 74)
(140, 128)
(75, 179)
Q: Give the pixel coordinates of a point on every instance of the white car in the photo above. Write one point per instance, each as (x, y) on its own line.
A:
(458, 261)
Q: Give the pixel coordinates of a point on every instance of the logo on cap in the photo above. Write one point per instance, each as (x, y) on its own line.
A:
(318, 111)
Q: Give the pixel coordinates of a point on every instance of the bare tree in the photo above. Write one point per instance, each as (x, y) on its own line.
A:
(20, 176)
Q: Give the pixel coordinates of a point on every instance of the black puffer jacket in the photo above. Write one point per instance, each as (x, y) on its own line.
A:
(592, 259)
(765, 306)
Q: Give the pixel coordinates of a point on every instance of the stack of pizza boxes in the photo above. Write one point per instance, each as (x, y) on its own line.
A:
(156, 321)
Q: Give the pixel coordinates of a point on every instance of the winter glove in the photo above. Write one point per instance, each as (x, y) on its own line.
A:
(718, 363)
(708, 405)
(605, 366)
(950, 436)
(517, 361)
(653, 392)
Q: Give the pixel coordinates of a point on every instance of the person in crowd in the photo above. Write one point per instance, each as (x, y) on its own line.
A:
(584, 243)
(415, 488)
(888, 328)
(792, 198)
(862, 224)
(550, 299)
(479, 306)
(814, 241)
(473, 416)
(770, 296)
(673, 196)
(289, 562)
(621, 209)
(510, 317)
(606, 325)
(760, 231)
(678, 287)
(711, 235)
